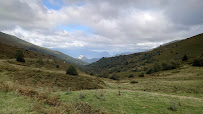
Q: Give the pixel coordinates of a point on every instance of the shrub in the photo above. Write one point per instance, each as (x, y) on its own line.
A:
(157, 67)
(131, 76)
(185, 58)
(71, 70)
(173, 107)
(141, 75)
(20, 56)
(166, 66)
(149, 71)
(57, 66)
(82, 96)
(114, 77)
(133, 82)
(91, 73)
(40, 61)
(174, 64)
(198, 62)
(104, 75)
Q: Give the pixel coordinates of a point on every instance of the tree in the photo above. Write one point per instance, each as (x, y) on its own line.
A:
(184, 58)
(71, 70)
(20, 56)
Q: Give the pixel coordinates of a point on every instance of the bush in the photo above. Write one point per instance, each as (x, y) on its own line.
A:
(149, 71)
(40, 61)
(91, 73)
(141, 75)
(198, 62)
(133, 82)
(165, 65)
(157, 67)
(114, 77)
(57, 66)
(131, 76)
(20, 56)
(104, 75)
(71, 70)
(174, 64)
(82, 96)
(173, 107)
(185, 58)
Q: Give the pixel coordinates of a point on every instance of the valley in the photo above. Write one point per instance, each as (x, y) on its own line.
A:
(101, 57)
(121, 84)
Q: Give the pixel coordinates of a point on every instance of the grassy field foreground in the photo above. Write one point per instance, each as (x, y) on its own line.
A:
(130, 102)
(172, 91)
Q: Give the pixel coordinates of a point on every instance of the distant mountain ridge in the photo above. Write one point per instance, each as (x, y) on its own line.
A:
(16, 42)
(124, 53)
(85, 59)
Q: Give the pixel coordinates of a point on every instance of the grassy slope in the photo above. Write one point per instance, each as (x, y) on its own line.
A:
(8, 52)
(44, 76)
(181, 88)
(152, 94)
(16, 42)
(25, 88)
(192, 47)
(131, 102)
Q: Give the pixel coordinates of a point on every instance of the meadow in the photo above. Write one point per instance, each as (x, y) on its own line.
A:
(28, 88)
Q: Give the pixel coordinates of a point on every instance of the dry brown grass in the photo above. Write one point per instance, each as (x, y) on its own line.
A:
(46, 102)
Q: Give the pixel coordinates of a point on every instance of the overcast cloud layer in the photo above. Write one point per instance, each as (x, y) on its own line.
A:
(94, 27)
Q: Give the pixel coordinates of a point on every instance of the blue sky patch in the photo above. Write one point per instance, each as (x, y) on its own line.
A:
(53, 4)
(71, 28)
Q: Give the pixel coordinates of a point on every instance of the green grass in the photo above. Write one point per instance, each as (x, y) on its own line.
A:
(186, 80)
(180, 89)
(43, 77)
(12, 103)
(131, 102)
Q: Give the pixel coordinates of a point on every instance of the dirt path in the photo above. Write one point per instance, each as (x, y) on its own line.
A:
(168, 95)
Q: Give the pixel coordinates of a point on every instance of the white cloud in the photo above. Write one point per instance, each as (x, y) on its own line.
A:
(116, 25)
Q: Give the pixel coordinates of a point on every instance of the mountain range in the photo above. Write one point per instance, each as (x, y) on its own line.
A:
(89, 61)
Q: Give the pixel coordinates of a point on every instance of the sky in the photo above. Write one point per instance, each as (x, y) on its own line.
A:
(97, 28)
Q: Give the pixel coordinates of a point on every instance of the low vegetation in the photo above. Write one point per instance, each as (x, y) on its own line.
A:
(20, 56)
(198, 61)
(166, 57)
(71, 70)
(133, 82)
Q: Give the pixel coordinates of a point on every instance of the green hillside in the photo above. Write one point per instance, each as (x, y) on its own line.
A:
(143, 61)
(40, 85)
(13, 41)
